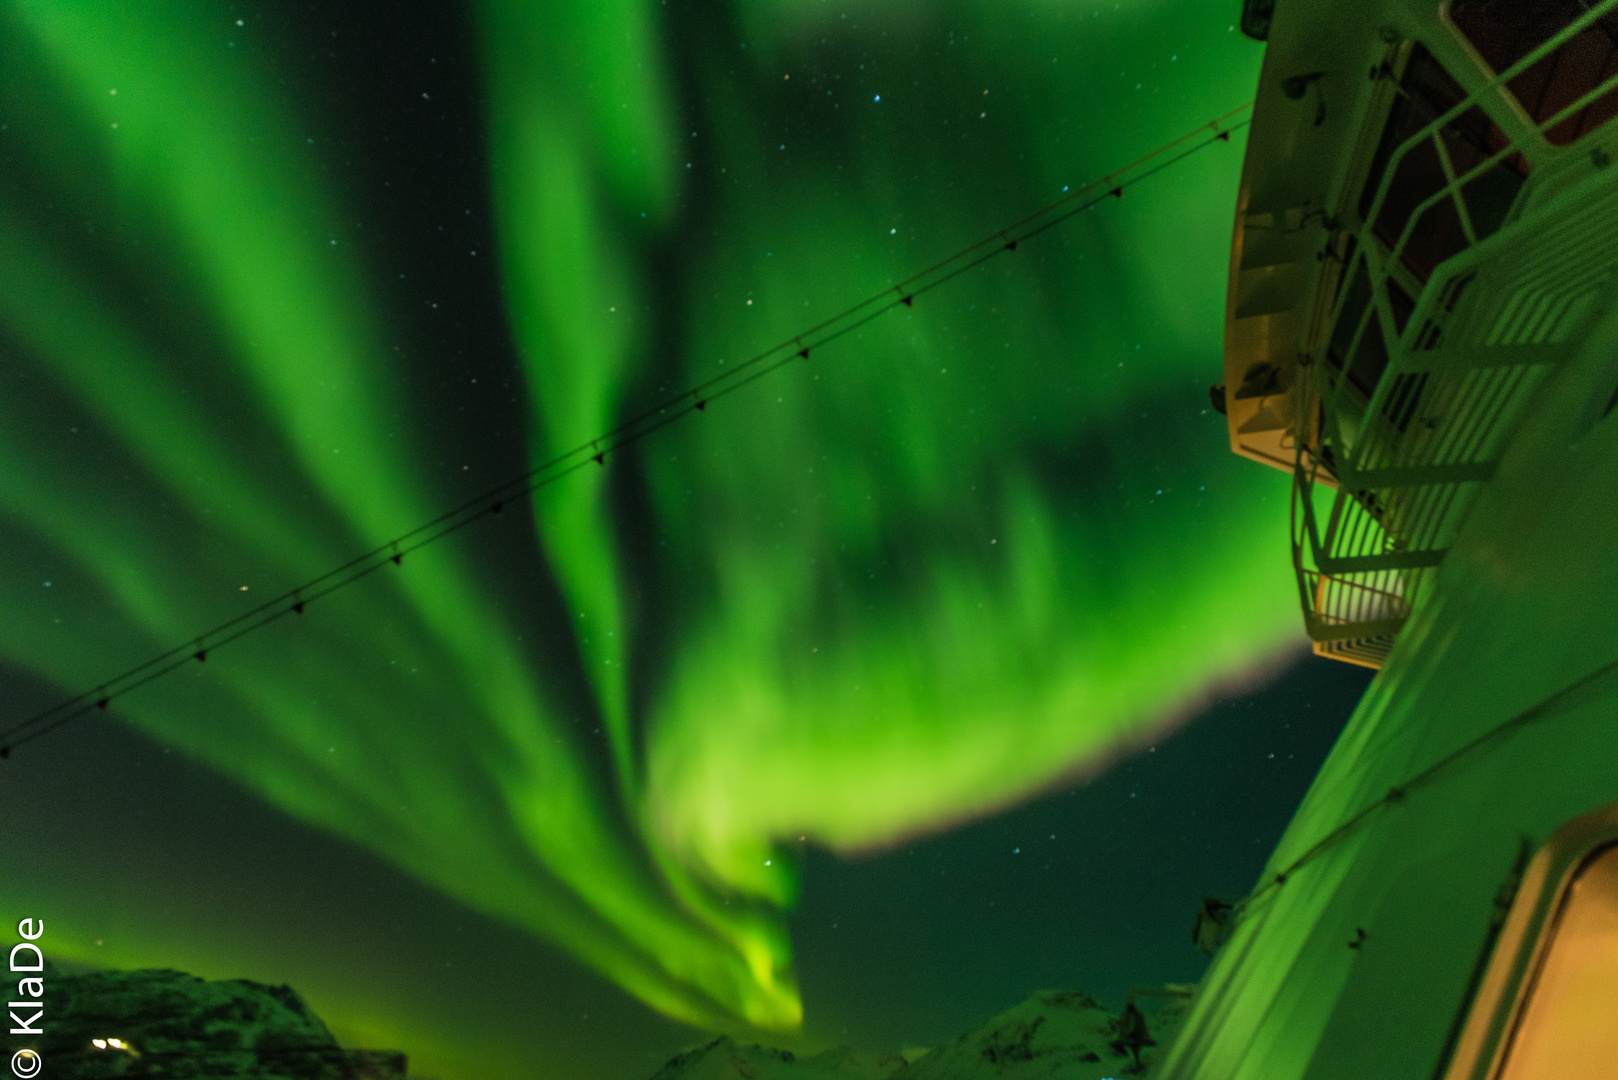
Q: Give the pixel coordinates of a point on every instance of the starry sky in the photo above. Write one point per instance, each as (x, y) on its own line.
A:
(739, 731)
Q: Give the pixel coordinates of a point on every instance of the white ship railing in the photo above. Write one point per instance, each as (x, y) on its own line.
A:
(1488, 326)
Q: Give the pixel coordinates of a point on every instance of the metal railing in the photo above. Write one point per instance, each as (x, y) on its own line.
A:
(1488, 326)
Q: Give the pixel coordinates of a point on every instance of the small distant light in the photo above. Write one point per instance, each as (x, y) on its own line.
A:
(766, 862)
(99, 1044)
(115, 1043)
(893, 232)
(244, 588)
(877, 98)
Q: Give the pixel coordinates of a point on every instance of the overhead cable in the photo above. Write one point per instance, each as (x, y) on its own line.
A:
(598, 450)
(1489, 739)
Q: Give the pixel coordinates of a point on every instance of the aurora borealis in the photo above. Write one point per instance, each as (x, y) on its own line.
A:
(282, 282)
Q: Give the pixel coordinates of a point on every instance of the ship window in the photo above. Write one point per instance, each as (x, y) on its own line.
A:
(1566, 1025)
(1545, 1005)
(1469, 139)
(1371, 358)
(1503, 33)
(1401, 304)
(1354, 305)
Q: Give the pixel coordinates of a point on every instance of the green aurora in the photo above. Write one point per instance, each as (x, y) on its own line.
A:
(985, 544)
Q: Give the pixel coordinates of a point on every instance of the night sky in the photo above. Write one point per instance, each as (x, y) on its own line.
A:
(765, 725)
(906, 947)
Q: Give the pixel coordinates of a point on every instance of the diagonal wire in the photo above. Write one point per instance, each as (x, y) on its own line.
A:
(1487, 740)
(597, 450)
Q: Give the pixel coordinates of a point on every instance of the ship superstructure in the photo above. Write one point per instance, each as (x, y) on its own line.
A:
(1427, 229)
(1422, 328)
